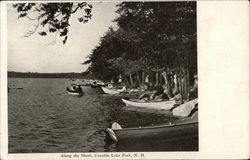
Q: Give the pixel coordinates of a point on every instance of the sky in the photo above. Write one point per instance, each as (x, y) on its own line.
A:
(47, 54)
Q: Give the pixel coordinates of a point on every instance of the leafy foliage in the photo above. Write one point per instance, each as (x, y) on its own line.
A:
(53, 17)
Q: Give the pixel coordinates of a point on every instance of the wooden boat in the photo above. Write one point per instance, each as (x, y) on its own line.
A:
(97, 84)
(110, 91)
(75, 93)
(179, 129)
(166, 105)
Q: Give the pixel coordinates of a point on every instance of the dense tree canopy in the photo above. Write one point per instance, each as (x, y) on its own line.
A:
(159, 34)
(152, 37)
(164, 29)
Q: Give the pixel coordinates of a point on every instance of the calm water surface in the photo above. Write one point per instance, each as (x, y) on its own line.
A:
(43, 118)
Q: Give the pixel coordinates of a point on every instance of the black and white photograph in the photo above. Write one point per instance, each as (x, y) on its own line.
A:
(102, 77)
(121, 79)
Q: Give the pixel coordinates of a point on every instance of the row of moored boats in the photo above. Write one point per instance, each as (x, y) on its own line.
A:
(184, 127)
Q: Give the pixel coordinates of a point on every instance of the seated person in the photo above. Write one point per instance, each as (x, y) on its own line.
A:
(144, 97)
(157, 91)
(161, 93)
(167, 91)
(110, 85)
(157, 95)
(143, 87)
(78, 88)
(73, 87)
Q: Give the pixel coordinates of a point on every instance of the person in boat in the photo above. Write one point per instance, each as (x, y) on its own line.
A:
(73, 87)
(78, 88)
(110, 85)
(157, 95)
(123, 89)
(168, 91)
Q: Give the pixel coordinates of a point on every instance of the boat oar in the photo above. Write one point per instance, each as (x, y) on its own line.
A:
(62, 93)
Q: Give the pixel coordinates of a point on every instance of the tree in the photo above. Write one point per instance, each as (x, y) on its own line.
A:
(53, 17)
(165, 35)
(112, 45)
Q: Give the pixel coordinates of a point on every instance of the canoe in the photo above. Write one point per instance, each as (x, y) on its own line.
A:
(110, 91)
(166, 105)
(75, 93)
(175, 130)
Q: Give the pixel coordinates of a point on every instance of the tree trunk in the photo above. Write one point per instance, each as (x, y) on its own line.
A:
(164, 74)
(131, 80)
(143, 78)
(138, 77)
(185, 86)
(156, 78)
(168, 90)
(180, 87)
(160, 78)
(179, 82)
(126, 80)
(176, 85)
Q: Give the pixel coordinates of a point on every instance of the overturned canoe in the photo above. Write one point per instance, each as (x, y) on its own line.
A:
(179, 129)
(111, 91)
(166, 105)
(75, 93)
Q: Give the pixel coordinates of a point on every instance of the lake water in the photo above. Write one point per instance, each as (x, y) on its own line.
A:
(43, 118)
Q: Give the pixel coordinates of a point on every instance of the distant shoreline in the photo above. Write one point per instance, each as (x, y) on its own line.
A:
(13, 74)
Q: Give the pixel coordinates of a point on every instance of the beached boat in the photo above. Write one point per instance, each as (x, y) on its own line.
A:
(75, 93)
(113, 91)
(166, 105)
(96, 83)
(179, 129)
(110, 91)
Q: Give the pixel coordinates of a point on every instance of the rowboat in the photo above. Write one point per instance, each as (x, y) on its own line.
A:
(111, 91)
(96, 84)
(166, 105)
(179, 129)
(74, 93)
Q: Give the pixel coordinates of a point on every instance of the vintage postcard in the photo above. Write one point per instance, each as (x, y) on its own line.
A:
(124, 79)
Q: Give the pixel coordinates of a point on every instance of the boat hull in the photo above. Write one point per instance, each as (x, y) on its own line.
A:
(110, 91)
(74, 93)
(166, 105)
(179, 130)
(160, 132)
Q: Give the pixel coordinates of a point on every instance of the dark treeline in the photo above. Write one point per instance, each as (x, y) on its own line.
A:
(45, 75)
(156, 41)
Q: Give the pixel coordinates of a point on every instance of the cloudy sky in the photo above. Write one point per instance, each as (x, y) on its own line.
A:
(47, 54)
